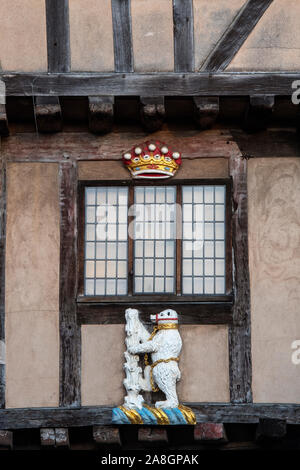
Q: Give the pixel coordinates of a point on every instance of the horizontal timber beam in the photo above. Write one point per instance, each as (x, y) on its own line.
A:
(164, 84)
(26, 418)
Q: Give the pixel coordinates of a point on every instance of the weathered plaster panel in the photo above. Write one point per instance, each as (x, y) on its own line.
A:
(275, 41)
(32, 285)
(23, 40)
(274, 254)
(211, 19)
(91, 36)
(203, 363)
(152, 35)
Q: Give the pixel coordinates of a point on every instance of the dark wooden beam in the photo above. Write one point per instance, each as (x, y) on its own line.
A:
(101, 114)
(26, 418)
(210, 432)
(48, 115)
(240, 367)
(206, 111)
(70, 340)
(258, 112)
(190, 313)
(152, 112)
(4, 131)
(121, 19)
(106, 435)
(58, 35)
(136, 84)
(271, 143)
(235, 36)
(183, 20)
(151, 434)
(2, 277)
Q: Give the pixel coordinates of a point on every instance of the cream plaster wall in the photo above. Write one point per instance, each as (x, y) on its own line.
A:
(274, 44)
(211, 19)
(152, 35)
(91, 35)
(274, 255)
(203, 363)
(23, 41)
(32, 285)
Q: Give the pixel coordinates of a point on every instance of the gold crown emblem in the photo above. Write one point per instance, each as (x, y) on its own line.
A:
(152, 160)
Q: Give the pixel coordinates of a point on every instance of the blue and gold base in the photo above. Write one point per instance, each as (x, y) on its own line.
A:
(150, 415)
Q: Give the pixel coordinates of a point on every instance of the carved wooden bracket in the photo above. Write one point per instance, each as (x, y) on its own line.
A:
(101, 114)
(152, 112)
(206, 110)
(48, 114)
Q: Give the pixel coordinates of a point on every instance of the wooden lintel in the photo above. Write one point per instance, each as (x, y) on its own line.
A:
(206, 111)
(258, 112)
(152, 112)
(101, 114)
(48, 114)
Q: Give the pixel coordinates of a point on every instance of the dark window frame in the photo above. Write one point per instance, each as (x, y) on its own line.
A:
(104, 302)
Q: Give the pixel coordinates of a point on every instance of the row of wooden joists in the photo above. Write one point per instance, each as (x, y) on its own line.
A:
(202, 433)
(49, 119)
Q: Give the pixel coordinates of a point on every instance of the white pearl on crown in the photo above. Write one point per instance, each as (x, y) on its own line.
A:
(175, 155)
(151, 147)
(127, 156)
(138, 150)
(164, 150)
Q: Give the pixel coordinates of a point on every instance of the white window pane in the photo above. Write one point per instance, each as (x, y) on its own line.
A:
(90, 196)
(159, 267)
(100, 268)
(209, 249)
(220, 231)
(209, 212)
(219, 213)
(90, 250)
(198, 231)
(209, 231)
(187, 194)
(149, 265)
(112, 214)
(208, 194)
(149, 248)
(101, 232)
(160, 230)
(122, 232)
(187, 285)
(198, 194)
(220, 285)
(90, 232)
(122, 269)
(220, 194)
(138, 247)
(112, 231)
(90, 214)
(159, 284)
(198, 212)
(122, 287)
(169, 267)
(111, 250)
(138, 267)
(169, 249)
(101, 196)
(111, 287)
(138, 284)
(89, 269)
(170, 230)
(187, 249)
(138, 212)
(148, 284)
(123, 197)
(170, 194)
(198, 285)
(100, 287)
(160, 195)
(89, 286)
(209, 285)
(220, 249)
(209, 267)
(220, 267)
(198, 247)
(159, 249)
(187, 267)
(198, 267)
(122, 250)
(187, 230)
(100, 250)
(101, 214)
(112, 195)
(187, 212)
(149, 194)
(169, 284)
(139, 195)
